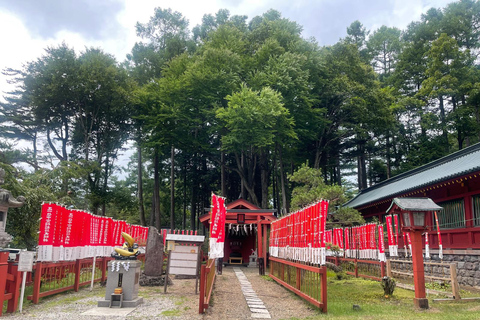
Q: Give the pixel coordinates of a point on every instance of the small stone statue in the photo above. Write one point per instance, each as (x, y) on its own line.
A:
(6, 198)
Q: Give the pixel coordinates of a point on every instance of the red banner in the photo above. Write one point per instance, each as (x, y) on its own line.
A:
(381, 245)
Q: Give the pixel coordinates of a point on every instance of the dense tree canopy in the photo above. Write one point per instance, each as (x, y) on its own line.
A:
(237, 105)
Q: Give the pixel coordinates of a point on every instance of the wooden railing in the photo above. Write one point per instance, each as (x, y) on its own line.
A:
(207, 280)
(434, 272)
(368, 269)
(308, 282)
(10, 280)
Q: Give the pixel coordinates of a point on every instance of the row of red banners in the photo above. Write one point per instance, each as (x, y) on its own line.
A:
(217, 227)
(72, 234)
(175, 231)
(301, 235)
(364, 242)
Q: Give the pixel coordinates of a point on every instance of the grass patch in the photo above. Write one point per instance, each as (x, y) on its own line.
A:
(343, 294)
(171, 313)
(265, 277)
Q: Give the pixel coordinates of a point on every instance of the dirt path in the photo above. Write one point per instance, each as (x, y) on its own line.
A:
(229, 301)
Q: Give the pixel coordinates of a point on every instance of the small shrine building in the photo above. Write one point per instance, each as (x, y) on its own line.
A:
(246, 231)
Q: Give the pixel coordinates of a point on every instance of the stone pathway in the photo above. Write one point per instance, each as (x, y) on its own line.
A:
(257, 308)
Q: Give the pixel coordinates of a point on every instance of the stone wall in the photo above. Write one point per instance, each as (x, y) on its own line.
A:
(467, 263)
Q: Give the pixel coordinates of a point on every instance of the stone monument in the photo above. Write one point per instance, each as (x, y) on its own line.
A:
(153, 272)
(6, 201)
(123, 277)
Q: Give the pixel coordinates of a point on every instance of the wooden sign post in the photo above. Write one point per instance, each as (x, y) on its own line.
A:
(184, 256)
(25, 264)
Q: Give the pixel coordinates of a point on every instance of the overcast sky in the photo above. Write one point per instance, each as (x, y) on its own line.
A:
(27, 27)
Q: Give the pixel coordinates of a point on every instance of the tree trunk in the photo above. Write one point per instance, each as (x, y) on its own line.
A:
(172, 188)
(247, 181)
(264, 177)
(388, 155)
(184, 220)
(444, 125)
(141, 208)
(361, 167)
(282, 182)
(156, 190)
(105, 185)
(222, 174)
(338, 174)
(459, 130)
(152, 211)
(193, 203)
(35, 152)
(242, 180)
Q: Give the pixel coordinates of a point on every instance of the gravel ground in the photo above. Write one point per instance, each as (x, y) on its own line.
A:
(180, 302)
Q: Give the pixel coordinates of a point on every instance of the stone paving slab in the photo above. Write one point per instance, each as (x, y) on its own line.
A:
(261, 316)
(255, 304)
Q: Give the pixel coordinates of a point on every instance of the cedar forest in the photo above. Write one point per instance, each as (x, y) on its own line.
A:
(241, 107)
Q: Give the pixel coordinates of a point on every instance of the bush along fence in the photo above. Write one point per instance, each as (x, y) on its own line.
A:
(367, 269)
(49, 278)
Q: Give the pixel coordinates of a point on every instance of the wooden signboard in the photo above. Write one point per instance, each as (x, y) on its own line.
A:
(184, 257)
(183, 260)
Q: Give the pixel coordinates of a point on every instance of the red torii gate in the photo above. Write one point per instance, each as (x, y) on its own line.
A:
(242, 212)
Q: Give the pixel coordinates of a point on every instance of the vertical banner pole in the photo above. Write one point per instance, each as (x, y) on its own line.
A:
(93, 271)
(22, 292)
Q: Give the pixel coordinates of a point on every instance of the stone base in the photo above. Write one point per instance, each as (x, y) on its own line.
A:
(153, 281)
(125, 304)
(421, 303)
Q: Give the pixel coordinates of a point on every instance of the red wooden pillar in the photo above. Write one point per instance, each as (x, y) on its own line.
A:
(420, 300)
(36, 282)
(104, 268)
(259, 240)
(324, 289)
(3, 276)
(76, 285)
(13, 287)
(264, 246)
(467, 204)
(299, 279)
(202, 289)
(356, 268)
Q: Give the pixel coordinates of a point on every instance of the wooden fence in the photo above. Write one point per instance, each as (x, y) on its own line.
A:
(49, 278)
(10, 280)
(207, 280)
(434, 272)
(308, 282)
(368, 269)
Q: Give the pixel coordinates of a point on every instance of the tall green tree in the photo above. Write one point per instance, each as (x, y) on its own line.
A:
(255, 120)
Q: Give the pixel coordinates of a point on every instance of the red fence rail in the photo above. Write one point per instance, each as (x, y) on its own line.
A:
(207, 279)
(49, 278)
(368, 269)
(308, 282)
(10, 280)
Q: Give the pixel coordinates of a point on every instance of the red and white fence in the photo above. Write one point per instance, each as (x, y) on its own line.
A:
(300, 236)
